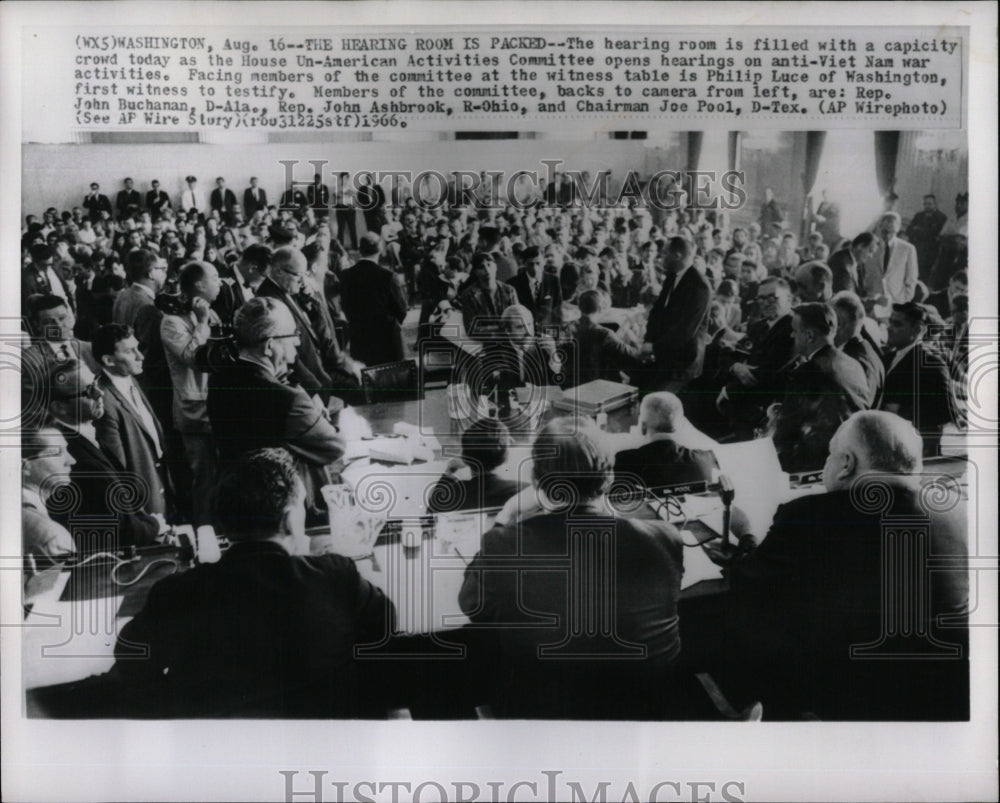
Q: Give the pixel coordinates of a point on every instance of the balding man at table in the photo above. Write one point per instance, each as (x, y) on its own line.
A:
(817, 586)
(662, 461)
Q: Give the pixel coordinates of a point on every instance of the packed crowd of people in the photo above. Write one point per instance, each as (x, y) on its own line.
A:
(169, 341)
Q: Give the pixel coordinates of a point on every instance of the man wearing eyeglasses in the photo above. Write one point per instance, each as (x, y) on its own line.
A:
(106, 490)
(754, 382)
(45, 466)
(253, 405)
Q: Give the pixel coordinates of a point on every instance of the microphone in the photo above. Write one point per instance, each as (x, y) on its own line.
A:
(726, 494)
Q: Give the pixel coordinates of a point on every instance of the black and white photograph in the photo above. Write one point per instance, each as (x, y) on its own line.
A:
(473, 402)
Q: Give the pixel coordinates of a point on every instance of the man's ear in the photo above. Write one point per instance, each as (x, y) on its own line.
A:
(850, 466)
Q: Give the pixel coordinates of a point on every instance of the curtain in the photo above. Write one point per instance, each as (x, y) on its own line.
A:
(814, 153)
(886, 151)
(694, 149)
(734, 149)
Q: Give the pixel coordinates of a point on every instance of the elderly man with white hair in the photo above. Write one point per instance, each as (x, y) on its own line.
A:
(874, 568)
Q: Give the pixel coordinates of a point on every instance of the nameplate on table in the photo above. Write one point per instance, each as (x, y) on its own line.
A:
(681, 488)
(805, 478)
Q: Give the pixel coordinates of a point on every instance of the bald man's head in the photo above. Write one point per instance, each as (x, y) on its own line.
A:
(660, 413)
(872, 441)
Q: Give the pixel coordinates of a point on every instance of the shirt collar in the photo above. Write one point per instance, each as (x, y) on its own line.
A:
(30, 497)
(145, 290)
(123, 383)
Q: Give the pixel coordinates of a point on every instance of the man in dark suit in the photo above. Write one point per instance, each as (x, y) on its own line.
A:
(814, 600)
(678, 321)
(156, 200)
(550, 611)
(601, 353)
(822, 388)
(40, 277)
(489, 242)
(252, 405)
(850, 313)
(105, 488)
(254, 199)
(320, 366)
(52, 322)
(96, 203)
(848, 264)
(916, 378)
(484, 301)
(471, 483)
(239, 287)
(128, 202)
(263, 632)
(756, 381)
(129, 429)
(924, 232)
(374, 305)
(318, 194)
(662, 461)
(537, 290)
(223, 200)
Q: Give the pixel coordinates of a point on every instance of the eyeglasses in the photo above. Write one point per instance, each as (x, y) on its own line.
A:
(55, 451)
(91, 392)
(296, 274)
(297, 333)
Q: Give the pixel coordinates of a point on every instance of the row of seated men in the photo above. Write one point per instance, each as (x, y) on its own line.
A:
(796, 375)
(574, 606)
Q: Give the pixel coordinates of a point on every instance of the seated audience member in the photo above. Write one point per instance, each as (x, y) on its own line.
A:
(484, 450)
(105, 489)
(485, 299)
(821, 390)
(45, 468)
(129, 429)
(375, 306)
(728, 296)
(848, 264)
(916, 378)
(565, 645)
(601, 353)
(815, 589)
(252, 405)
(663, 461)
(850, 313)
(941, 300)
(52, 323)
(538, 291)
(518, 357)
(755, 382)
(263, 632)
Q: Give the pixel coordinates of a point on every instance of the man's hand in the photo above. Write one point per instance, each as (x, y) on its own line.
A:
(744, 374)
(200, 308)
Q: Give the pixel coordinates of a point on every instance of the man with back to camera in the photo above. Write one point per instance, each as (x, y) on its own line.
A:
(375, 306)
(851, 340)
(544, 661)
(817, 585)
(667, 457)
(265, 632)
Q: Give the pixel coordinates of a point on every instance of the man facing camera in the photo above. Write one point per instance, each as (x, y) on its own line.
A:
(263, 632)
(835, 575)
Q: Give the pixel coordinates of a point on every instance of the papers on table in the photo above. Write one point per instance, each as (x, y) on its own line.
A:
(757, 478)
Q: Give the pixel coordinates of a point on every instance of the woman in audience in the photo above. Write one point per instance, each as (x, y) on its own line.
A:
(471, 482)
(582, 599)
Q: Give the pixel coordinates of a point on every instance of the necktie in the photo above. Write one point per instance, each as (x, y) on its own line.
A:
(668, 288)
(885, 258)
(145, 417)
(64, 353)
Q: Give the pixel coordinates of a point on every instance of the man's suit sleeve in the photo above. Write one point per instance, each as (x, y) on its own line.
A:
(309, 435)
(181, 342)
(773, 563)
(109, 428)
(911, 274)
(681, 329)
(398, 307)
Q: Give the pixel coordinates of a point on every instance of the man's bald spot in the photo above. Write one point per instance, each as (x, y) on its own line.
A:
(882, 441)
(661, 412)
